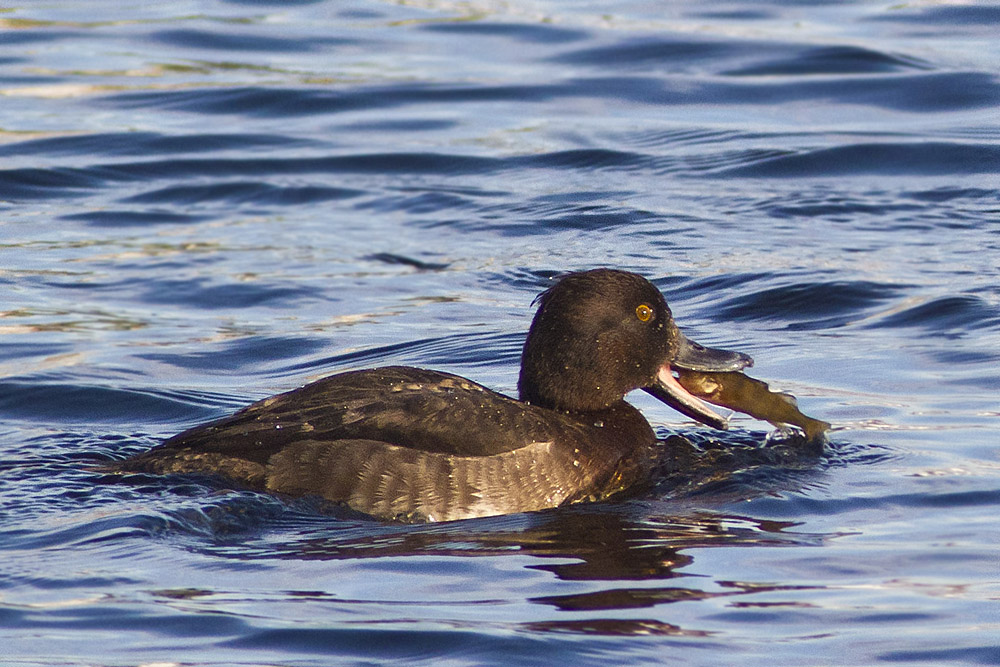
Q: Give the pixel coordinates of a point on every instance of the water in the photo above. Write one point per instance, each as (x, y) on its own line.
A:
(204, 203)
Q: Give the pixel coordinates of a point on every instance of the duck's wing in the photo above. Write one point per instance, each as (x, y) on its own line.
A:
(402, 406)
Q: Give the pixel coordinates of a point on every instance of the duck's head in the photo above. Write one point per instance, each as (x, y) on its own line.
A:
(600, 334)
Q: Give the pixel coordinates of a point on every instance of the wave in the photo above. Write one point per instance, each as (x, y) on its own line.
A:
(928, 158)
(808, 305)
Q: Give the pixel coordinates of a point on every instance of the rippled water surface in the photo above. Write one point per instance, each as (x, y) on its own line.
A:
(205, 202)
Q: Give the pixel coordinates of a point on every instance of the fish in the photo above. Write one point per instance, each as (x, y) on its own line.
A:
(738, 391)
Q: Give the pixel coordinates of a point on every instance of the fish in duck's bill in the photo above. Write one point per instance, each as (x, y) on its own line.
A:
(740, 392)
(716, 376)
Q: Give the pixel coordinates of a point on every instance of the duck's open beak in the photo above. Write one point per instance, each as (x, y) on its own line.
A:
(695, 357)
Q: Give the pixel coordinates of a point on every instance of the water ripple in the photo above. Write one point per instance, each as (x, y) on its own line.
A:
(808, 305)
(540, 34)
(148, 143)
(925, 159)
(60, 402)
(834, 60)
(239, 355)
(121, 218)
(242, 192)
(962, 312)
(672, 52)
(291, 102)
(901, 158)
(983, 16)
(398, 644)
(244, 41)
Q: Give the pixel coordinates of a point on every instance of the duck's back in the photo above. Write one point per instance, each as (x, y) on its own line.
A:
(402, 442)
(409, 407)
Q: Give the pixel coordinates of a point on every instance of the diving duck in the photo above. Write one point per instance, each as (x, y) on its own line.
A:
(410, 444)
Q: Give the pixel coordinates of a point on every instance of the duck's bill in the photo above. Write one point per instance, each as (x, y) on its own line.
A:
(669, 390)
(695, 357)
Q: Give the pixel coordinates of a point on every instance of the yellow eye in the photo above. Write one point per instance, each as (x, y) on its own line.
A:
(644, 313)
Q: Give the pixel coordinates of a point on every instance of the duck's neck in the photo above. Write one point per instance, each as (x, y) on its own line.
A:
(624, 425)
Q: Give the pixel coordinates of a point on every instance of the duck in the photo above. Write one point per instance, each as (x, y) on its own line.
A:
(401, 443)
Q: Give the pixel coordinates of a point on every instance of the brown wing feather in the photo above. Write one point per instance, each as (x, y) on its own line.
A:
(407, 407)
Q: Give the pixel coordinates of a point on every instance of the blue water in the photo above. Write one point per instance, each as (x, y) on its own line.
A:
(203, 203)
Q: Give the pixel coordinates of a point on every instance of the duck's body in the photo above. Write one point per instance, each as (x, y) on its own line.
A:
(413, 444)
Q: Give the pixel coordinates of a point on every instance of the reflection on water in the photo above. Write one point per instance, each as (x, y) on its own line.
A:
(609, 545)
(605, 543)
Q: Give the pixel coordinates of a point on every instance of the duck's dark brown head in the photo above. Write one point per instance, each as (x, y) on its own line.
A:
(600, 334)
